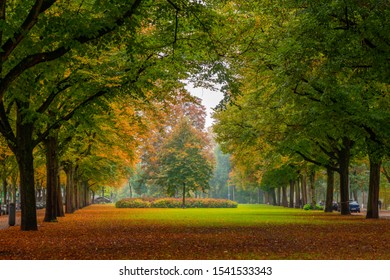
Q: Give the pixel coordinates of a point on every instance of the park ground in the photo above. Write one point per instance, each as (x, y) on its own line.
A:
(247, 232)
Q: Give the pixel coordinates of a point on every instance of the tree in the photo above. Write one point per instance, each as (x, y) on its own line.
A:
(183, 165)
(33, 42)
(51, 70)
(220, 179)
(311, 79)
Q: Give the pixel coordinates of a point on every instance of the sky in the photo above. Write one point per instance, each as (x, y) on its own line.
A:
(210, 99)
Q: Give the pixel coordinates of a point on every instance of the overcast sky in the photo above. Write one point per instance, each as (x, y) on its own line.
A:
(210, 99)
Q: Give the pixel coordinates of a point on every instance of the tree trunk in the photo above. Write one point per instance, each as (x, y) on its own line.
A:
(279, 193)
(329, 190)
(5, 185)
(60, 202)
(284, 196)
(304, 189)
(266, 198)
(373, 189)
(52, 169)
(273, 196)
(69, 188)
(261, 196)
(344, 158)
(130, 189)
(291, 204)
(93, 197)
(312, 189)
(297, 195)
(76, 193)
(184, 196)
(355, 195)
(84, 193)
(24, 157)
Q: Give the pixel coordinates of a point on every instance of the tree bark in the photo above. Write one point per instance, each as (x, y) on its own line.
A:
(344, 158)
(69, 171)
(284, 196)
(297, 195)
(355, 195)
(24, 157)
(373, 189)
(84, 193)
(291, 204)
(266, 197)
(93, 197)
(130, 189)
(329, 190)
(304, 189)
(5, 190)
(52, 169)
(312, 189)
(273, 195)
(76, 193)
(60, 202)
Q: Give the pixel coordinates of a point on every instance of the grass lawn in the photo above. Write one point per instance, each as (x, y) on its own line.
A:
(246, 232)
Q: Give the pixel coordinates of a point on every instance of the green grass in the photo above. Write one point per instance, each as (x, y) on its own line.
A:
(244, 215)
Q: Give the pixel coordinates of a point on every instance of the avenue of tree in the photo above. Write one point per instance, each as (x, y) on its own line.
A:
(91, 94)
(69, 68)
(312, 88)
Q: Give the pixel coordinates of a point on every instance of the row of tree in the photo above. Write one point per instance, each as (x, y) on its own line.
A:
(311, 88)
(82, 81)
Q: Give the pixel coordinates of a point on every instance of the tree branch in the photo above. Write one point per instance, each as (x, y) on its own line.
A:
(39, 7)
(69, 115)
(326, 152)
(5, 127)
(174, 5)
(27, 63)
(386, 173)
(38, 58)
(317, 162)
(61, 86)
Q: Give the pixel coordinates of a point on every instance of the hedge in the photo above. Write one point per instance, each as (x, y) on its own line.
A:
(175, 203)
(310, 207)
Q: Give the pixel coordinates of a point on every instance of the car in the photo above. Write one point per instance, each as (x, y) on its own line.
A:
(3, 209)
(40, 205)
(354, 206)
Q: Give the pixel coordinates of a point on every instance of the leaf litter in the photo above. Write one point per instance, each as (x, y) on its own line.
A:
(104, 232)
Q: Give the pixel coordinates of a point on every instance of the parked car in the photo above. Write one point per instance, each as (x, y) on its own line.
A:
(3, 209)
(40, 205)
(354, 206)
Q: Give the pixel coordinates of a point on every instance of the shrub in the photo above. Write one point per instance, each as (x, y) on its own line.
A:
(132, 203)
(307, 206)
(175, 203)
(167, 203)
(310, 207)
